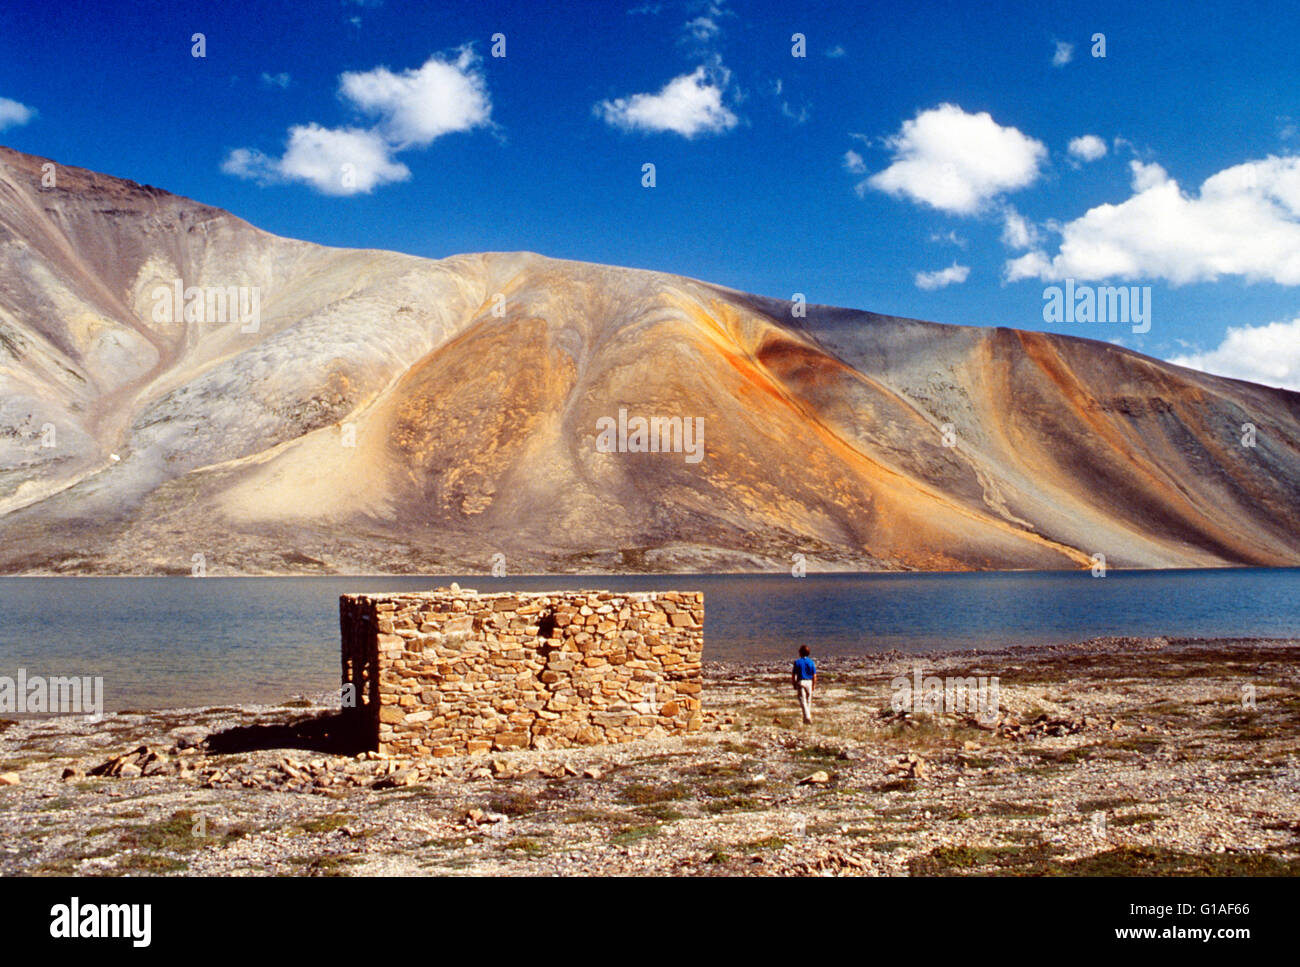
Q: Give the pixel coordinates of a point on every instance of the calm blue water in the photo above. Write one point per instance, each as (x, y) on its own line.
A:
(169, 642)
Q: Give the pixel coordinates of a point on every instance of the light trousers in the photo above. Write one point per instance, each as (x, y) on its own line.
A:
(805, 698)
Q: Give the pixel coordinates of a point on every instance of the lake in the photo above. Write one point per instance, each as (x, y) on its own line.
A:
(176, 642)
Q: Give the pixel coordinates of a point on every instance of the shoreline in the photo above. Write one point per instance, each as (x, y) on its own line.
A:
(1105, 756)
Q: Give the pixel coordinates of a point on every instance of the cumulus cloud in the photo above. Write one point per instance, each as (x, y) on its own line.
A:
(957, 162)
(1268, 354)
(1017, 231)
(1244, 221)
(853, 163)
(953, 275)
(339, 162)
(417, 106)
(333, 161)
(837, 51)
(275, 80)
(13, 113)
(1062, 54)
(1087, 147)
(688, 105)
(411, 109)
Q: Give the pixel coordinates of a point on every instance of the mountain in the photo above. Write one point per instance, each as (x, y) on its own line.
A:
(368, 411)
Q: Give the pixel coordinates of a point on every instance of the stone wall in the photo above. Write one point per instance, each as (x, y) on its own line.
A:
(452, 671)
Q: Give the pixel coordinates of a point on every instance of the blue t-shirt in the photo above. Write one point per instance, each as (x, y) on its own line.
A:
(804, 668)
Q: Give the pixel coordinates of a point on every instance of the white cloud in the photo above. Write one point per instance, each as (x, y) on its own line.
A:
(13, 114)
(938, 279)
(1087, 147)
(1017, 231)
(339, 162)
(1244, 222)
(703, 29)
(837, 51)
(800, 116)
(412, 109)
(687, 105)
(853, 163)
(333, 161)
(1147, 175)
(1063, 53)
(417, 106)
(1268, 354)
(275, 80)
(957, 162)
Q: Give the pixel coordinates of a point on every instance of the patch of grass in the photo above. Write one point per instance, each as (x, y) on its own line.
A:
(958, 860)
(513, 804)
(1106, 804)
(522, 844)
(58, 802)
(633, 835)
(16, 765)
(713, 769)
(759, 845)
(1248, 775)
(176, 833)
(1137, 743)
(326, 824)
(593, 816)
(1014, 809)
(1043, 860)
(296, 703)
(732, 804)
(662, 811)
(644, 794)
(1079, 753)
(1134, 818)
(150, 863)
(325, 865)
(1158, 861)
(62, 866)
(734, 787)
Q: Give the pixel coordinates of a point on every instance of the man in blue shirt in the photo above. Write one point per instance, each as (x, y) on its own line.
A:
(804, 677)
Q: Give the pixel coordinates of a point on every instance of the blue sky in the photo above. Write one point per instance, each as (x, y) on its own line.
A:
(917, 161)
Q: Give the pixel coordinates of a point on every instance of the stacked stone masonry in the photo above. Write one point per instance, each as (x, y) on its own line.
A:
(452, 671)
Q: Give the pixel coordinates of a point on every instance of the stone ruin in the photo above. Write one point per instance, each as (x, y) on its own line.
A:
(451, 671)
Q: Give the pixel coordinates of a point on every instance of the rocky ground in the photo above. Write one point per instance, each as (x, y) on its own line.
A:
(1114, 756)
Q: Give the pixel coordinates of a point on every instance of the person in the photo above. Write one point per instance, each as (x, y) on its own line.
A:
(804, 678)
